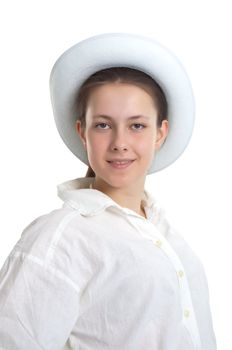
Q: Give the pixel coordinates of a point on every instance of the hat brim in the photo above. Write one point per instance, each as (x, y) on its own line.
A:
(80, 61)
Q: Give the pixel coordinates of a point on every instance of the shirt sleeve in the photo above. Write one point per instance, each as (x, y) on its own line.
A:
(38, 305)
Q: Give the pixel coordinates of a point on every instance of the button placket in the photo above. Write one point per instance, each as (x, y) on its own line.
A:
(161, 242)
(158, 243)
(187, 307)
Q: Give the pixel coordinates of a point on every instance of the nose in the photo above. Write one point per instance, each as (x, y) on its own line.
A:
(119, 142)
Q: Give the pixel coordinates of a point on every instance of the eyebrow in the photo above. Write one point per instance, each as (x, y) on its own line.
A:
(130, 118)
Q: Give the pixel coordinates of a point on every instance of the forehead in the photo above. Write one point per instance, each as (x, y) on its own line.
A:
(120, 97)
(117, 88)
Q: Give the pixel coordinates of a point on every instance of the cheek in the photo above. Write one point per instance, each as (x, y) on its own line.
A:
(147, 152)
(146, 145)
(96, 143)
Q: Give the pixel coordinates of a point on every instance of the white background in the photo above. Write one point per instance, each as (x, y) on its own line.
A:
(195, 191)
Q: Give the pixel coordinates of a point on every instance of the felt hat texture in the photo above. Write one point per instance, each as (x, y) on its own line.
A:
(107, 50)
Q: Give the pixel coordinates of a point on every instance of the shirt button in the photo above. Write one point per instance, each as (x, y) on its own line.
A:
(186, 313)
(180, 273)
(158, 243)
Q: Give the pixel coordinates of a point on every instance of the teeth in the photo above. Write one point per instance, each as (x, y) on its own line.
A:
(120, 162)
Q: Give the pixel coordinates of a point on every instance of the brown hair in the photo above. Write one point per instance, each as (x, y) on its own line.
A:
(121, 75)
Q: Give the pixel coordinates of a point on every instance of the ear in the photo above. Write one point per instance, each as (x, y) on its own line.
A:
(81, 132)
(161, 135)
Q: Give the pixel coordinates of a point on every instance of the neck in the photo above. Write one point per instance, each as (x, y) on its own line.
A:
(130, 198)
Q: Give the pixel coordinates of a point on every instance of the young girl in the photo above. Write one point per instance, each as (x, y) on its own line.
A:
(107, 271)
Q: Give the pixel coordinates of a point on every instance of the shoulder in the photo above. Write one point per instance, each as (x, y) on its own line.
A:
(57, 240)
(52, 235)
(42, 229)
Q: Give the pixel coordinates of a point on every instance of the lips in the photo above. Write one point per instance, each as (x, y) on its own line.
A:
(120, 163)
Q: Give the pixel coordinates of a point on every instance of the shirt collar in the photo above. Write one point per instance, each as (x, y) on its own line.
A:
(78, 194)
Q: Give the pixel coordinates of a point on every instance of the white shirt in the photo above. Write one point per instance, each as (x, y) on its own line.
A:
(94, 275)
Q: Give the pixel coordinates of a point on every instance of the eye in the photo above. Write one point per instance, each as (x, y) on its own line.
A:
(101, 126)
(138, 126)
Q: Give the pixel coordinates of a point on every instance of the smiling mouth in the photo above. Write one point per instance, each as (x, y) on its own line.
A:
(120, 164)
(120, 161)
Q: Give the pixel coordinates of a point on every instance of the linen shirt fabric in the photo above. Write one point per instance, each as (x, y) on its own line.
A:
(93, 275)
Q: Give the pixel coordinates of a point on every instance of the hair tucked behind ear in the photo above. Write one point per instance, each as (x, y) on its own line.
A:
(90, 172)
(120, 75)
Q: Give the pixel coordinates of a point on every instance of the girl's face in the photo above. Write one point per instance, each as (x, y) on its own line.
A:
(121, 135)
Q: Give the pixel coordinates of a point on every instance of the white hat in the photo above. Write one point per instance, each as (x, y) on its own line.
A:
(107, 50)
